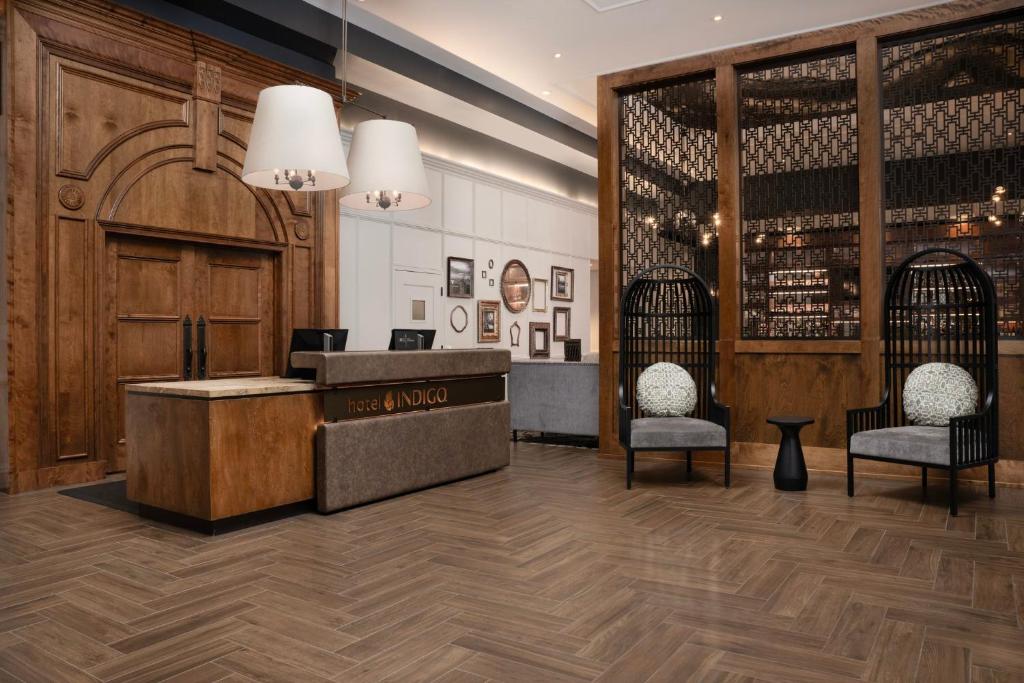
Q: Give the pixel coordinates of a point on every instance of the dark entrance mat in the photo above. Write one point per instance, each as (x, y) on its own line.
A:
(111, 494)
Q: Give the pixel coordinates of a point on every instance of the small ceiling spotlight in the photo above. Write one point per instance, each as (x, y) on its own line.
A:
(717, 17)
(545, 93)
(558, 55)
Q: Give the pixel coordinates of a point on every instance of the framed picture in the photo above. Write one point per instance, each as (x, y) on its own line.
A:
(560, 323)
(483, 274)
(562, 283)
(540, 340)
(513, 334)
(540, 295)
(459, 319)
(488, 321)
(460, 277)
(515, 286)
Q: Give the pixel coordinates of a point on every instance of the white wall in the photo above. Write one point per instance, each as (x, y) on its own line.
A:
(473, 215)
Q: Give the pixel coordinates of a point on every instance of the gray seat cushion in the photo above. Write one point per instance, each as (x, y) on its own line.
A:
(676, 432)
(917, 444)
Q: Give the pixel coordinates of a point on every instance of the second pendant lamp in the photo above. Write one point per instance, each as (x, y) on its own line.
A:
(386, 168)
(384, 160)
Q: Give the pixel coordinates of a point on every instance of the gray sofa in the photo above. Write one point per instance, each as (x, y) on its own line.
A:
(554, 396)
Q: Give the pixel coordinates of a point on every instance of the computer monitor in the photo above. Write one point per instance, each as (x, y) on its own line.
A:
(313, 339)
(411, 340)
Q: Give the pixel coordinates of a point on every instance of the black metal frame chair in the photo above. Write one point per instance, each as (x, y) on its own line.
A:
(939, 306)
(670, 320)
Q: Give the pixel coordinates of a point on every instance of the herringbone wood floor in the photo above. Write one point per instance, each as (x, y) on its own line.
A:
(547, 571)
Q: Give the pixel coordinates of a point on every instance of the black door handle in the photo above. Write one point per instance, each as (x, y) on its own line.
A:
(201, 325)
(186, 342)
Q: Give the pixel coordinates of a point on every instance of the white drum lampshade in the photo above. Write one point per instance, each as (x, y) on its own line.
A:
(387, 168)
(295, 143)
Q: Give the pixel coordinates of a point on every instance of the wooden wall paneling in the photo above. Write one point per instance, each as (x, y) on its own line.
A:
(4, 386)
(124, 127)
(24, 410)
(71, 331)
(872, 232)
(820, 385)
(727, 107)
(608, 262)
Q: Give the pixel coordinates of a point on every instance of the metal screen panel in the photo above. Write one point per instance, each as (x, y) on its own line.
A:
(954, 166)
(800, 246)
(669, 178)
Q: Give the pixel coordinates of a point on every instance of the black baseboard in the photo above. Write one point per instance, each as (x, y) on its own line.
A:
(228, 524)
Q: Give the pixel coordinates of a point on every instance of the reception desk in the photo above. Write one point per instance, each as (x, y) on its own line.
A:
(400, 421)
(372, 425)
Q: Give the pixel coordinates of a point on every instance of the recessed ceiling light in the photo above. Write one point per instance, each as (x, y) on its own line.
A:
(558, 55)
(545, 93)
(717, 17)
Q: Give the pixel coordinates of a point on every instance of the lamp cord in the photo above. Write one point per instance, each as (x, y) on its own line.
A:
(344, 51)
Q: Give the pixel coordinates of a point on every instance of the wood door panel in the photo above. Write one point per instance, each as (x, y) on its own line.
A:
(149, 348)
(148, 297)
(235, 295)
(235, 349)
(148, 286)
(234, 285)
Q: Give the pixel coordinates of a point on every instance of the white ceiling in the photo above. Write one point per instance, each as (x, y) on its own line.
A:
(514, 41)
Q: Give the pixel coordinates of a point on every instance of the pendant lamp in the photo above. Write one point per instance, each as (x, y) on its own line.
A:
(386, 167)
(384, 158)
(294, 143)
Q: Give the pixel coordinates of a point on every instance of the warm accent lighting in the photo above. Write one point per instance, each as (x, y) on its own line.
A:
(294, 142)
(387, 168)
(558, 55)
(545, 93)
(717, 17)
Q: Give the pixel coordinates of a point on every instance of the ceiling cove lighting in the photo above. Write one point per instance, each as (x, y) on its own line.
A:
(294, 143)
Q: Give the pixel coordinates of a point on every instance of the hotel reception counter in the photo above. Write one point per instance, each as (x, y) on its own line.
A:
(374, 424)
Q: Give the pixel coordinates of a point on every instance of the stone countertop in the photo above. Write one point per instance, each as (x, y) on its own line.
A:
(239, 387)
(384, 367)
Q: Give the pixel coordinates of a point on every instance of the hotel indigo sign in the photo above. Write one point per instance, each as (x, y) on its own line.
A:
(351, 403)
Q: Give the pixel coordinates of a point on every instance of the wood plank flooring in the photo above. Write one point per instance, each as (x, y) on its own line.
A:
(546, 571)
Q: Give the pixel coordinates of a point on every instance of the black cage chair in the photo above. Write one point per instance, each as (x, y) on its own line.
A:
(939, 306)
(670, 319)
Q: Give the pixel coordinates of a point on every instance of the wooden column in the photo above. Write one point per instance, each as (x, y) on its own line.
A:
(871, 169)
(608, 217)
(728, 231)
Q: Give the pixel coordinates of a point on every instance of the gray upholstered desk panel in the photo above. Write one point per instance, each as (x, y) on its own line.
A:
(381, 367)
(554, 396)
(359, 461)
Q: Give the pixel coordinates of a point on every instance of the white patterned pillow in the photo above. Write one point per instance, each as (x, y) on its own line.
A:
(936, 392)
(666, 390)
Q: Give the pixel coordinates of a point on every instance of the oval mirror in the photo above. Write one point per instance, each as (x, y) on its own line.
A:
(515, 286)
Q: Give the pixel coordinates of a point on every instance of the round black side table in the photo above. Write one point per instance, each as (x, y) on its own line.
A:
(790, 469)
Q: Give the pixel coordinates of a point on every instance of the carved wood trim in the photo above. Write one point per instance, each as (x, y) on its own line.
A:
(154, 232)
(86, 173)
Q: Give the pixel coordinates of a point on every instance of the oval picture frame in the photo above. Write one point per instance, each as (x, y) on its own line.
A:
(516, 286)
(463, 315)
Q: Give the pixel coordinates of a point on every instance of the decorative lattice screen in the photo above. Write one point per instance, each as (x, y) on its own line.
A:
(669, 178)
(799, 213)
(954, 165)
